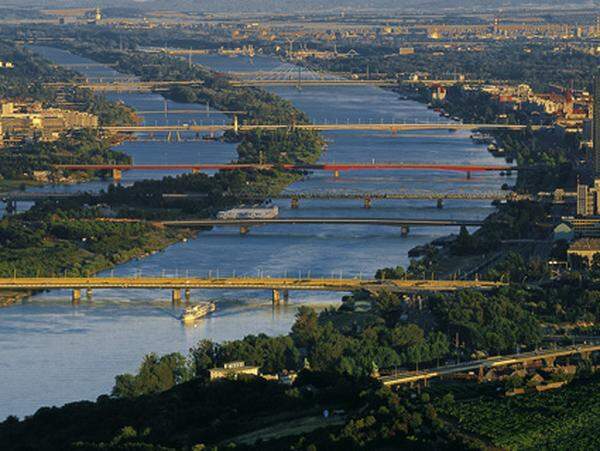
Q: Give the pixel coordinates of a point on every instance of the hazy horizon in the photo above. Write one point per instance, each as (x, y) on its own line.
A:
(294, 6)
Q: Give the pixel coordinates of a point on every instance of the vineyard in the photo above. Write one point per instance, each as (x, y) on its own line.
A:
(567, 418)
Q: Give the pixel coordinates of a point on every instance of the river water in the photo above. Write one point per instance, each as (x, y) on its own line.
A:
(52, 353)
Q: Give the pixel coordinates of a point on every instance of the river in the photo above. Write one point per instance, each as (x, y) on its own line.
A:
(52, 353)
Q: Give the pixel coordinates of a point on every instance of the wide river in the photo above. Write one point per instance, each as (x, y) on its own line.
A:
(52, 353)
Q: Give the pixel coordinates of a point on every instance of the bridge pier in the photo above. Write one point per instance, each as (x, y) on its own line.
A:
(549, 361)
(176, 296)
(76, 296)
(404, 230)
(480, 374)
(10, 207)
(295, 203)
(188, 295)
(276, 297)
(336, 174)
(236, 125)
(244, 230)
(440, 203)
(117, 175)
(89, 293)
(468, 175)
(286, 296)
(367, 202)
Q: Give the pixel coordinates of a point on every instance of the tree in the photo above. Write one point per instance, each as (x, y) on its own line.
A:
(203, 356)
(390, 273)
(465, 243)
(156, 374)
(306, 327)
(403, 336)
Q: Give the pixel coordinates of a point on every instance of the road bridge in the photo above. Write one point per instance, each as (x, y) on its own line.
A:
(245, 224)
(481, 365)
(190, 111)
(10, 199)
(335, 168)
(294, 81)
(125, 85)
(364, 126)
(368, 198)
(280, 287)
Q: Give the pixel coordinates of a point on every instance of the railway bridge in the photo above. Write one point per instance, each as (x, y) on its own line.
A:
(245, 224)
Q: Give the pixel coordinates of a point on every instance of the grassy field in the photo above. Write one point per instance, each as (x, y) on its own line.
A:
(568, 418)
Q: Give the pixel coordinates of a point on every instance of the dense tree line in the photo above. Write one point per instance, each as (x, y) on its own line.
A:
(540, 64)
(55, 243)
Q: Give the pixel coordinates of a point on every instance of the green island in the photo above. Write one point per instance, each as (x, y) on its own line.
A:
(60, 228)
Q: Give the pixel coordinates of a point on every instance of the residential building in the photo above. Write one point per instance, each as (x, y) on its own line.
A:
(27, 121)
(232, 370)
(584, 248)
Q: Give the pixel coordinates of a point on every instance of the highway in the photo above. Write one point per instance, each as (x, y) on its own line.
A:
(485, 364)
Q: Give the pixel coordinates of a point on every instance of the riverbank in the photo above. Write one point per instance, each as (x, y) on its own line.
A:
(509, 235)
(67, 234)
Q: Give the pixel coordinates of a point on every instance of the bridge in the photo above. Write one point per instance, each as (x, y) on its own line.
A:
(279, 286)
(125, 85)
(393, 127)
(368, 198)
(293, 75)
(260, 82)
(167, 111)
(547, 356)
(335, 168)
(10, 199)
(245, 223)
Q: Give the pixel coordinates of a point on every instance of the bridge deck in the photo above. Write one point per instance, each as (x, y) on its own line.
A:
(394, 127)
(239, 283)
(210, 222)
(292, 167)
(492, 362)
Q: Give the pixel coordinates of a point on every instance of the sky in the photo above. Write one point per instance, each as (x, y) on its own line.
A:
(298, 6)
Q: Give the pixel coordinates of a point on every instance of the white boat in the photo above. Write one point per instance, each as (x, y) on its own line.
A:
(197, 311)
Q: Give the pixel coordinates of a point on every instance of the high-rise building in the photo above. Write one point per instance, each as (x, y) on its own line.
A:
(588, 199)
(596, 127)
